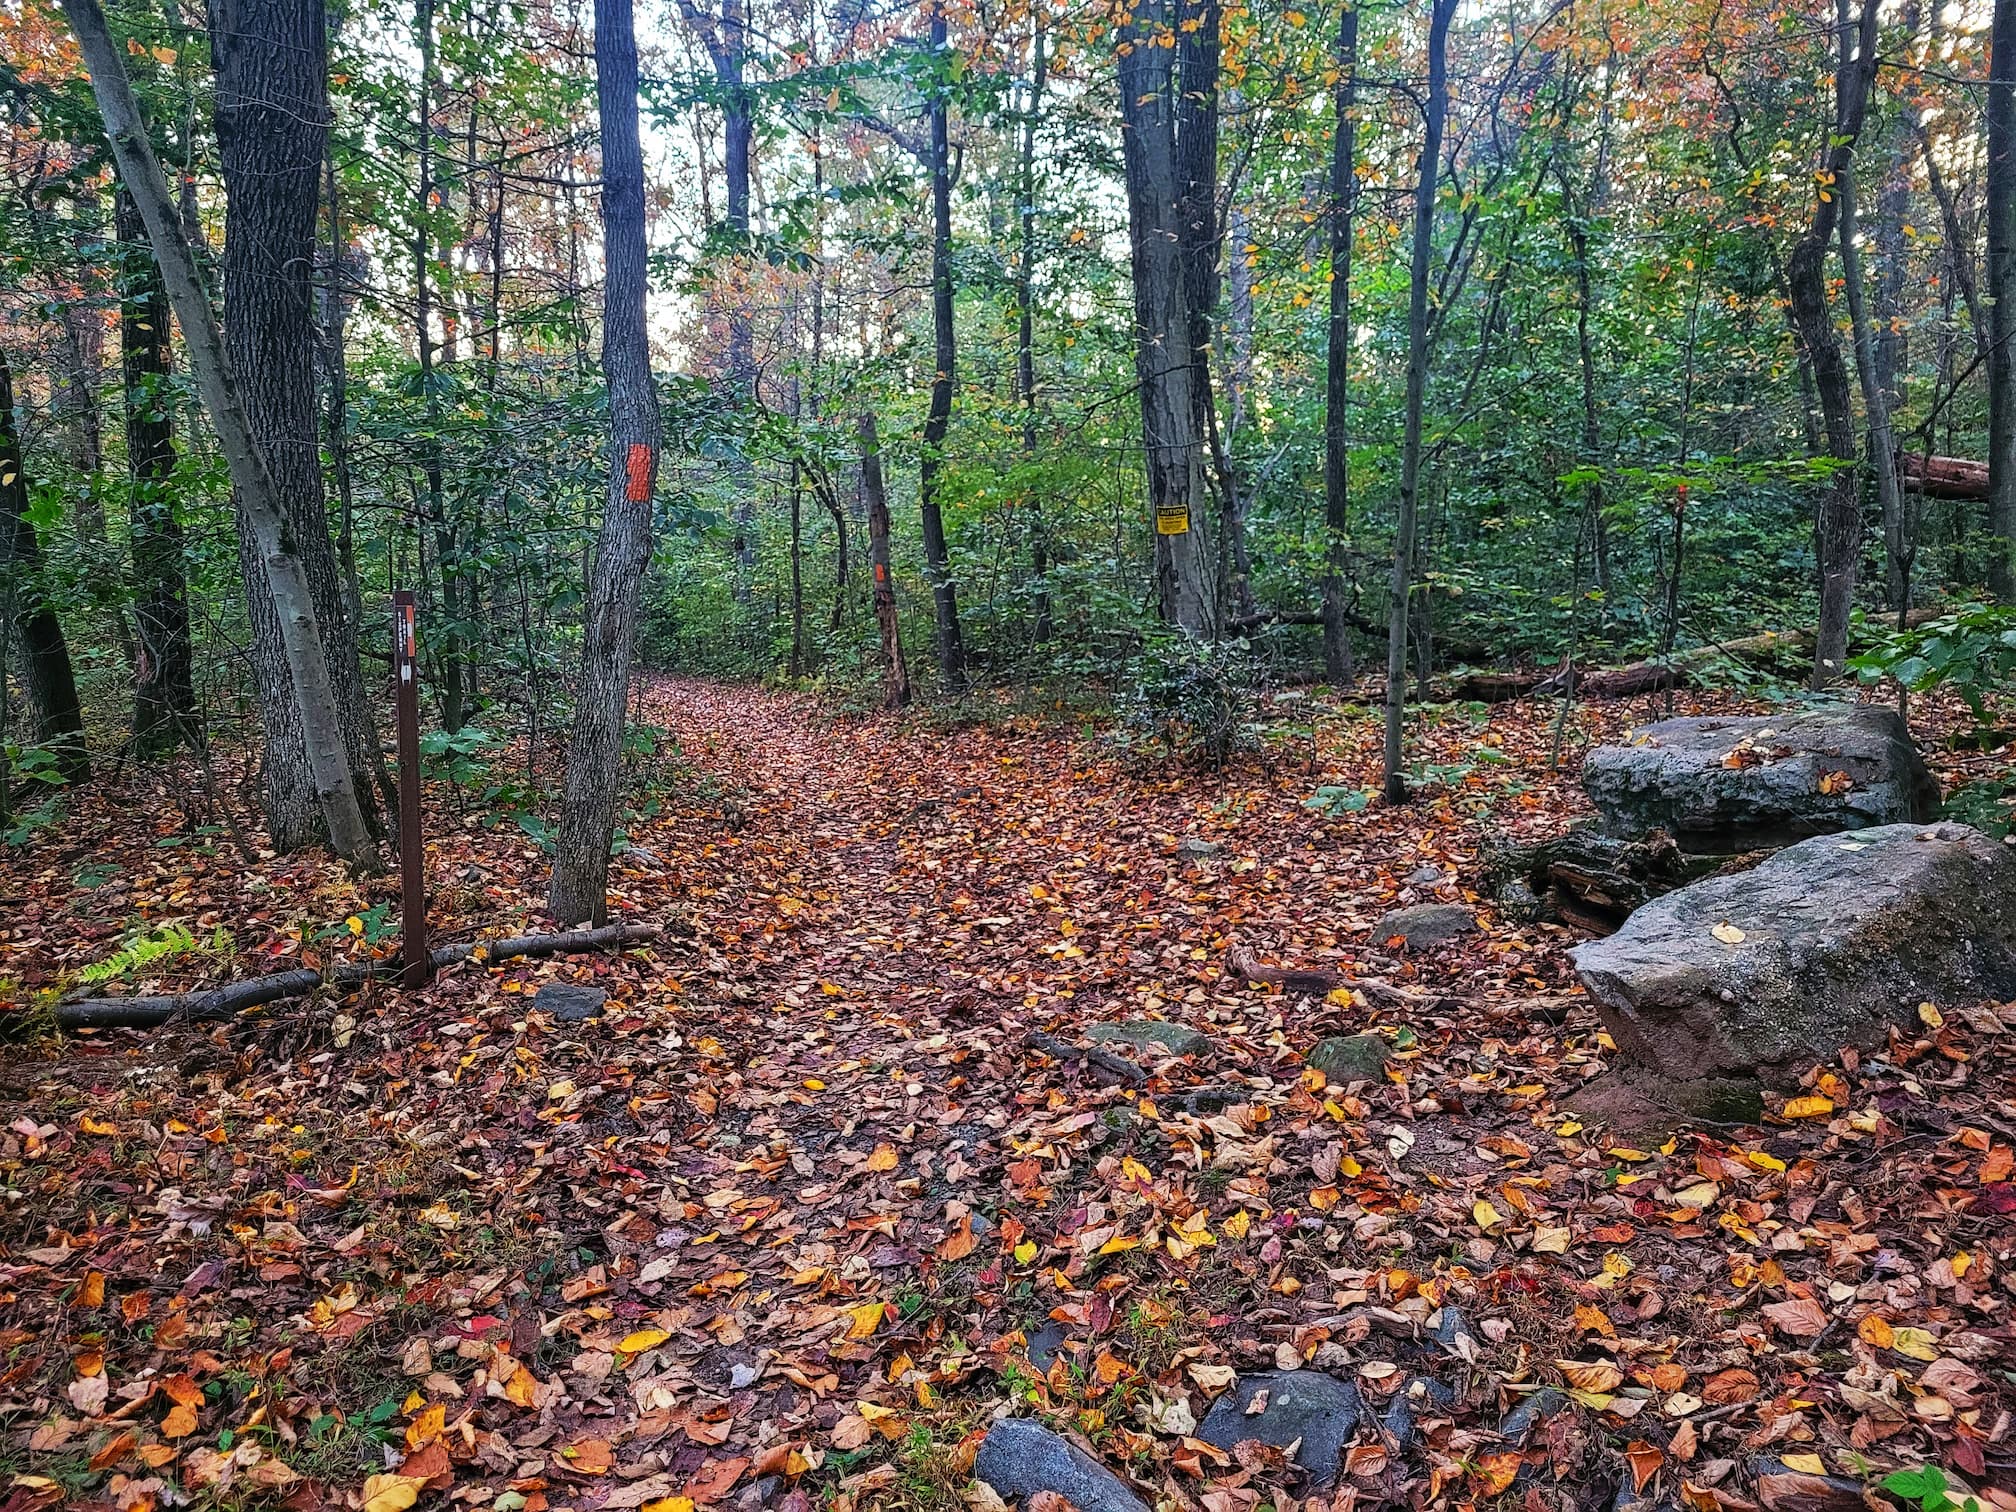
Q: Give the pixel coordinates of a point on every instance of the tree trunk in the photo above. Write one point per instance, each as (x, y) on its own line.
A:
(50, 683)
(1337, 661)
(1162, 357)
(2002, 302)
(623, 548)
(895, 671)
(944, 346)
(315, 722)
(1025, 329)
(1838, 525)
(272, 126)
(164, 699)
(1882, 448)
(1434, 111)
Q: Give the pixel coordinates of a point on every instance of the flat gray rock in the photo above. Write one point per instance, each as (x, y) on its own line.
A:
(1347, 1058)
(570, 1004)
(1019, 1458)
(1151, 1034)
(1321, 1411)
(1425, 925)
(1757, 783)
(1193, 849)
(1825, 945)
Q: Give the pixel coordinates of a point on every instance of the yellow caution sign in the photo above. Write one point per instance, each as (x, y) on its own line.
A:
(1172, 519)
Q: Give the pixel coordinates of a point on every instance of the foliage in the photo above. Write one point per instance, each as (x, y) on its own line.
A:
(142, 948)
(1971, 650)
(1193, 699)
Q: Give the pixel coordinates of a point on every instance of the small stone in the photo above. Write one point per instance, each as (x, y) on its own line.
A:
(1019, 1458)
(1151, 1034)
(1425, 876)
(1193, 849)
(1347, 1058)
(1425, 925)
(570, 1004)
(1451, 1328)
(1319, 1410)
(1529, 1414)
(1422, 1396)
(1045, 1345)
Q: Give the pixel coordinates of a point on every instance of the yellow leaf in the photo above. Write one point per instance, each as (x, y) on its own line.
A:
(1805, 1464)
(1025, 1252)
(643, 1339)
(1809, 1107)
(1118, 1243)
(1764, 1161)
(1623, 1152)
(165, 56)
(670, 1504)
(1570, 1127)
(813, 1084)
(1550, 1241)
(1486, 1216)
(1324, 1198)
(867, 1318)
(1875, 1331)
(1915, 1344)
(356, 925)
(1930, 1016)
(391, 1493)
(1237, 1224)
(92, 1125)
(884, 1158)
(1133, 1170)
(1728, 934)
(427, 1427)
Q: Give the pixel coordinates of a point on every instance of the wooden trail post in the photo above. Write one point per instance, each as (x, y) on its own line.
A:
(419, 969)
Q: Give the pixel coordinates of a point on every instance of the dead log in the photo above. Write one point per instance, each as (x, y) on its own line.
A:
(1587, 878)
(1943, 477)
(1109, 1061)
(234, 997)
(1242, 966)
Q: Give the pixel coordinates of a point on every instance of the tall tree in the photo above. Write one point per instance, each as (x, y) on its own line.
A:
(2002, 301)
(47, 676)
(1163, 367)
(1434, 112)
(164, 699)
(1838, 524)
(314, 716)
(1025, 317)
(945, 357)
(895, 670)
(1337, 362)
(272, 125)
(623, 546)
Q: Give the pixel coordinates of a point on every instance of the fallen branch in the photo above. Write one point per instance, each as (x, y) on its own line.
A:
(1241, 965)
(233, 998)
(1943, 477)
(1106, 1060)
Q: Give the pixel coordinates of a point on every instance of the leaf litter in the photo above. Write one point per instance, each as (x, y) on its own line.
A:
(807, 1207)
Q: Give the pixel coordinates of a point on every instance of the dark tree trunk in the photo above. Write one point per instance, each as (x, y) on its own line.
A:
(164, 700)
(623, 548)
(272, 127)
(895, 671)
(1025, 329)
(1838, 526)
(945, 356)
(1434, 110)
(45, 655)
(2002, 302)
(1337, 661)
(1163, 365)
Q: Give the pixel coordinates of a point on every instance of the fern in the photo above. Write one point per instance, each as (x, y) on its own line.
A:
(143, 950)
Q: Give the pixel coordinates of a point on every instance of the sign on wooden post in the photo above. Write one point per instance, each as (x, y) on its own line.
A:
(412, 863)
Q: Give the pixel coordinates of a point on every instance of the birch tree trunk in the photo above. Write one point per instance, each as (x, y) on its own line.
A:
(623, 547)
(316, 723)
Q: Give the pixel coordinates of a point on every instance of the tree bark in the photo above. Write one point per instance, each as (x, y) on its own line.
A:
(1434, 111)
(164, 698)
(46, 673)
(1838, 524)
(272, 118)
(895, 671)
(315, 721)
(1025, 328)
(945, 354)
(1337, 661)
(1163, 364)
(1882, 449)
(2002, 302)
(623, 547)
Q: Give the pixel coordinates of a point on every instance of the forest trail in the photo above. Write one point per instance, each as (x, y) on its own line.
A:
(802, 1210)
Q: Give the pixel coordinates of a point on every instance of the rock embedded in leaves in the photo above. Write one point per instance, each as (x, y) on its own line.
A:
(1757, 783)
(568, 1003)
(1151, 1034)
(1425, 925)
(1020, 1459)
(1346, 1058)
(1322, 1412)
(1825, 945)
(1192, 849)
(1531, 1413)
(1421, 1396)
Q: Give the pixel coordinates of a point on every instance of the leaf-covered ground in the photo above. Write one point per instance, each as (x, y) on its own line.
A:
(786, 1225)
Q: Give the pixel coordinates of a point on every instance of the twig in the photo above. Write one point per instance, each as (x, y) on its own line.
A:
(1106, 1060)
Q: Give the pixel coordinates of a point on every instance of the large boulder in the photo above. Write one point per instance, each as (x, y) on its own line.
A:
(1289, 1407)
(1743, 784)
(1019, 1459)
(1825, 944)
